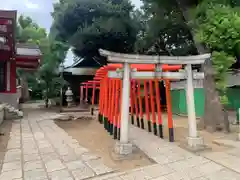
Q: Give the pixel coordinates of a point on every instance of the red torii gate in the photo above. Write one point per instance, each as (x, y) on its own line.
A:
(110, 97)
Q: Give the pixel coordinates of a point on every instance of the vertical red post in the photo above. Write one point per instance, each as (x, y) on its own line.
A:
(109, 104)
(132, 104)
(135, 102)
(160, 126)
(147, 106)
(119, 114)
(13, 77)
(80, 94)
(106, 91)
(93, 98)
(112, 105)
(100, 102)
(93, 93)
(169, 111)
(140, 103)
(104, 96)
(84, 89)
(153, 107)
(116, 106)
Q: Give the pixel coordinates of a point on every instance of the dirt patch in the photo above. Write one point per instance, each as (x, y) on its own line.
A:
(5, 129)
(90, 134)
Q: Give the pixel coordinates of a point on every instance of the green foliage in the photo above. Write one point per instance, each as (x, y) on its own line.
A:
(164, 30)
(218, 27)
(46, 78)
(221, 62)
(89, 25)
(28, 31)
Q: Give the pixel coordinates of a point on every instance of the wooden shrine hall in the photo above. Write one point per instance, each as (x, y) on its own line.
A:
(13, 56)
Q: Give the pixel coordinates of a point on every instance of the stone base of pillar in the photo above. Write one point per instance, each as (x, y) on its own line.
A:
(195, 141)
(239, 136)
(195, 144)
(123, 148)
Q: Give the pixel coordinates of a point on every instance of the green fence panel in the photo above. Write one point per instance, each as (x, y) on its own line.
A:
(179, 104)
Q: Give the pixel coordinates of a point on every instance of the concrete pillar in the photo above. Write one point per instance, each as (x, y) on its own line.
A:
(194, 141)
(124, 147)
(125, 104)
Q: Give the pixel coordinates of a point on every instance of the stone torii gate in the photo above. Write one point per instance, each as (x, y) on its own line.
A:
(193, 139)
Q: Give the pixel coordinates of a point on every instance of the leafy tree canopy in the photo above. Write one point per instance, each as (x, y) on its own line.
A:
(53, 53)
(89, 25)
(165, 31)
(217, 25)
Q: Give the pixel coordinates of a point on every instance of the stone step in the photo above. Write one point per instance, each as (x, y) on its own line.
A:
(12, 113)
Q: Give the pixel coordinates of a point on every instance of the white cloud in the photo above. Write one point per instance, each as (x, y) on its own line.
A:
(31, 5)
(20, 5)
(9, 5)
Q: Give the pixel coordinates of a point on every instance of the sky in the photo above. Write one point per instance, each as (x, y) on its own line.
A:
(39, 11)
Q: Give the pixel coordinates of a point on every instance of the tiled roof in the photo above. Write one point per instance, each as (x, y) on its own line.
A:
(28, 50)
(8, 14)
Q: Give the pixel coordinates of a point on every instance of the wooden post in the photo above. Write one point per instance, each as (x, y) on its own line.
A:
(147, 106)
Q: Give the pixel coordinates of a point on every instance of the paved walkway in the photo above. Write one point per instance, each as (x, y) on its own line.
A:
(173, 163)
(39, 150)
(229, 158)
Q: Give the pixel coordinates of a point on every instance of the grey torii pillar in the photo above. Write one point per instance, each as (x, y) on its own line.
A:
(124, 147)
(194, 141)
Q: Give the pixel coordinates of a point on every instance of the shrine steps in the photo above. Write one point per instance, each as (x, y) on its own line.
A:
(11, 113)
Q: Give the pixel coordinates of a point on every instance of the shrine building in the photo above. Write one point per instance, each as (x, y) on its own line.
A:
(12, 56)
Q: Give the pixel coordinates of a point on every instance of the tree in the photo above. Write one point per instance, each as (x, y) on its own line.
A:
(165, 30)
(29, 32)
(53, 53)
(215, 116)
(89, 25)
(178, 14)
(50, 80)
(219, 31)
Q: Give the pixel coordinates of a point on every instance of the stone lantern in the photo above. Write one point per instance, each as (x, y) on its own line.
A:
(69, 95)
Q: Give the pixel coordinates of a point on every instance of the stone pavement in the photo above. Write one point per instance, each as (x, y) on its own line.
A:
(229, 158)
(173, 163)
(39, 150)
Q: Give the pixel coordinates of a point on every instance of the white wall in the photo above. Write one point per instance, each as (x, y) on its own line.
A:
(10, 98)
(82, 71)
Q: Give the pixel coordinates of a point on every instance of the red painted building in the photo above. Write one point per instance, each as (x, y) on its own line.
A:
(13, 56)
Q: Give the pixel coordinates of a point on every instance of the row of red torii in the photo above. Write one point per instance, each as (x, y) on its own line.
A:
(120, 83)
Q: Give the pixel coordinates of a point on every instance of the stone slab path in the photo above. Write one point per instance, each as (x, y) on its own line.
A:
(173, 163)
(229, 158)
(39, 150)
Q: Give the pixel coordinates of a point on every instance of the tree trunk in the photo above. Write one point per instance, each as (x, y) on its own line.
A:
(24, 84)
(215, 116)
